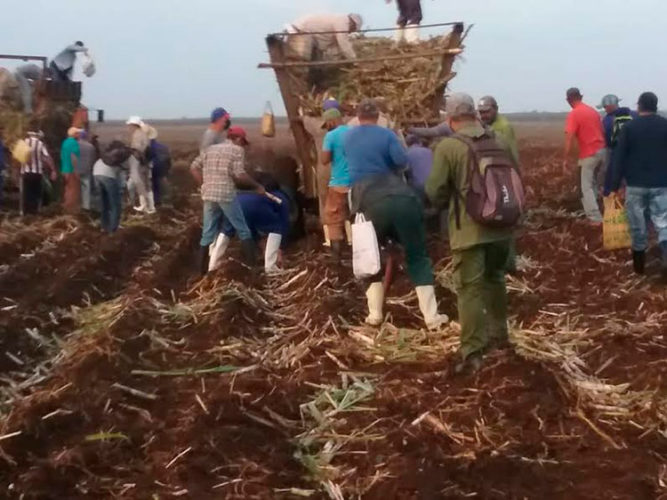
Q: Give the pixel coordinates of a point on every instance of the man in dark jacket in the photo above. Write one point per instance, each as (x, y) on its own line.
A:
(641, 160)
(615, 119)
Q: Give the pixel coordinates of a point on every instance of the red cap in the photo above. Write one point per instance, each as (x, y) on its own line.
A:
(237, 133)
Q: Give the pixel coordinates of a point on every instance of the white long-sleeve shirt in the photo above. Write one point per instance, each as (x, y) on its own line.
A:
(317, 23)
(65, 59)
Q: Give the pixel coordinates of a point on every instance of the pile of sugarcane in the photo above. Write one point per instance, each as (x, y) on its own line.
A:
(409, 90)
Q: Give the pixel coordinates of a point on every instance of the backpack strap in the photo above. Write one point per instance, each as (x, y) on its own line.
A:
(472, 163)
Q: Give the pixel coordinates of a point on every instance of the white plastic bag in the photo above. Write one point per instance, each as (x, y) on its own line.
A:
(365, 249)
(87, 64)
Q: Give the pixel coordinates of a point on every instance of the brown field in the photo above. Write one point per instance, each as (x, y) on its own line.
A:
(125, 376)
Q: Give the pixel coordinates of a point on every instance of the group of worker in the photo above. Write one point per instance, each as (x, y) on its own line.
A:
(94, 177)
(236, 203)
(623, 154)
(389, 184)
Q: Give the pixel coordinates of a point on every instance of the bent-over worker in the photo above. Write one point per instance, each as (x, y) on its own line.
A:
(62, 65)
(265, 217)
(322, 36)
(219, 169)
(376, 161)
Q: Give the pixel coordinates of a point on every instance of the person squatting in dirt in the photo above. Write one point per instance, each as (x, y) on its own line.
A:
(266, 215)
(219, 170)
(585, 125)
(410, 16)
(479, 252)
(336, 208)
(640, 160)
(140, 137)
(38, 164)
(376, 162)
(70, 157)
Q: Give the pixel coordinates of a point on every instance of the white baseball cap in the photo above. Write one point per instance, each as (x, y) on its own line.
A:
(134, 120)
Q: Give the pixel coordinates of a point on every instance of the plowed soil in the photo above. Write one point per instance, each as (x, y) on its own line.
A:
(141, 381)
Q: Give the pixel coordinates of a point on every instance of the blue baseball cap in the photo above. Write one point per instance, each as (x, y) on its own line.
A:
(218, 113)
(330, 103)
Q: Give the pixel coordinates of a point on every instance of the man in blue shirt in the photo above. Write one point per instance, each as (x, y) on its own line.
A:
(420, 162)
(615, 119)
(336, 210)
(376, 160)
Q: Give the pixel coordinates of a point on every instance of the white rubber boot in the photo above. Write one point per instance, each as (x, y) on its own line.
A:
(429, 307)
(399, 35)
(142, 204)
(271, 253)
(217, 251)
(150, 203)
(375, 297)
(412, 34)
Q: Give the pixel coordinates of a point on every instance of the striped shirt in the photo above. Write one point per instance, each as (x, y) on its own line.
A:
(38, 156)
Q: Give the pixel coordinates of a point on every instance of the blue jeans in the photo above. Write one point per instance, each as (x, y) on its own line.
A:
(638, 202)
(215, 215)
(110, 198)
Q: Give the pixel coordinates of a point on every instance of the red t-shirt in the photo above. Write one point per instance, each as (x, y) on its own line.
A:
(586, 125)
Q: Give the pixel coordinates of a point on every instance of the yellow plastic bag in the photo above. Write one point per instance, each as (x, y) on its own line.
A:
(615, 227)
(21, 152)
(268, 121)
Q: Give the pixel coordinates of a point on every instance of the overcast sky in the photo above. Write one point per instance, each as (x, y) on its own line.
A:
(174, 58)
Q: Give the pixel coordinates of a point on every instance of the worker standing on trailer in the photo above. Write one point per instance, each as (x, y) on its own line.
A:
(220, 121)
(336, 209)
(479, 252)
(376, 161)
(218, 170)
(488, 113)
(410, 17)
(322, 36)
(62, 65)
(584, 124)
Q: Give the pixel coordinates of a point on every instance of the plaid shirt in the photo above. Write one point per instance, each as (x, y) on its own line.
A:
(218, 164)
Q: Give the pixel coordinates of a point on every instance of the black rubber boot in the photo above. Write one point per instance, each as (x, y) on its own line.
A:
(663, 260)
(472, 364)
(249, 252)
(203, 260)
(336, 248)
(638, 261)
